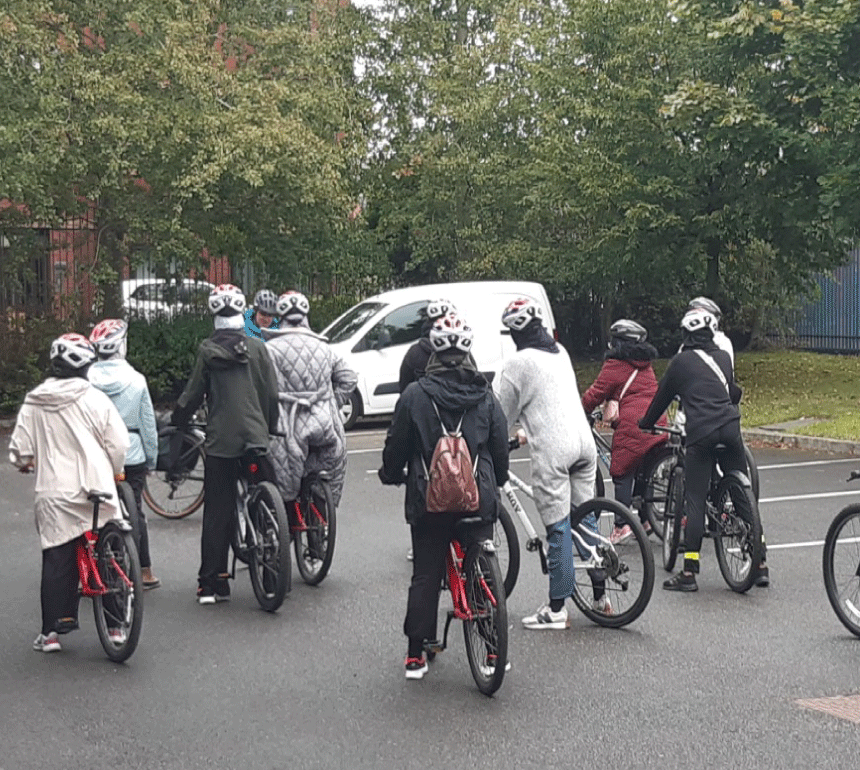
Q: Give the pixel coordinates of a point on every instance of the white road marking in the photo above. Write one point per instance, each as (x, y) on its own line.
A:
(779, 466)
(814, 496)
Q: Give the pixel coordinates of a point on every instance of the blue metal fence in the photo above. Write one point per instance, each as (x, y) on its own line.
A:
(832, 323)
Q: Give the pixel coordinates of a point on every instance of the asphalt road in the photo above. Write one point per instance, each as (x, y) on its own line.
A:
(701, 680)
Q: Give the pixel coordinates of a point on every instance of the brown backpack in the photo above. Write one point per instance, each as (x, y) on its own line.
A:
(451, 484)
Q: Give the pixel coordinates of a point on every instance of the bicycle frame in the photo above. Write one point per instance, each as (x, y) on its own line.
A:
(88, 570)
(301, 525)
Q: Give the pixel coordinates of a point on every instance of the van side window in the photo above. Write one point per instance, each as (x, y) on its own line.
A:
(399, 327)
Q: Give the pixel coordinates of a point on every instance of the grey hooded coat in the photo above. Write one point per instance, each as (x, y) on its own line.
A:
(313, 383)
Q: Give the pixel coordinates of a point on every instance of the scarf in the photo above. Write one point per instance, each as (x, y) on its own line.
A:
(534, 335)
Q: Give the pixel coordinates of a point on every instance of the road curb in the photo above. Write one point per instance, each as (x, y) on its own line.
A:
(796, 441)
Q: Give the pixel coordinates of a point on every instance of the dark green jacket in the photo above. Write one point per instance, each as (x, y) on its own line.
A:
(236, 376)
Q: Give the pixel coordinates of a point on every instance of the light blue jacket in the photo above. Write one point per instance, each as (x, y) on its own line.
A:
(127, 388)
(251, 329)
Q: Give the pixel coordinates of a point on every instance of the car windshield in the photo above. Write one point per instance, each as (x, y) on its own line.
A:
(351, 321)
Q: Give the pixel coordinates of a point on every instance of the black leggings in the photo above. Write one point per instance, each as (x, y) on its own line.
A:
(60, 595)
(698, 467)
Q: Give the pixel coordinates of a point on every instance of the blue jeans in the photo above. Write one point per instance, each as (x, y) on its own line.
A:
(559, 559)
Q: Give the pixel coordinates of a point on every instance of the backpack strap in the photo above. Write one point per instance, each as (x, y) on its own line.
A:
(714, 366)
(627, 384)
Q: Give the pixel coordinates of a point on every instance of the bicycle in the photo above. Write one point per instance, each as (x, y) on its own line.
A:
(109, 573)
(313, 526)
(841, 564)
(473, 578)
(175, 489)
(624, 571)
(731, 518)
(260, 536)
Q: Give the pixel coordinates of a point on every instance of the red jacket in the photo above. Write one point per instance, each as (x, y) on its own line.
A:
(629, 443)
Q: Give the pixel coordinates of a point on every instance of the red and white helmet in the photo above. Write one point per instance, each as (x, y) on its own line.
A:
(293, 303)
(451, 333)
(72, 352)
(440, 307)
(520, 313)
(108, 336)
(698, 319)
(226, 299)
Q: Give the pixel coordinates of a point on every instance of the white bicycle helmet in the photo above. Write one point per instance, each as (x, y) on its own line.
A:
(703, 303)
(266, 301)
(451, 333)
(226, 299)
(625, 329)
(71, 352)
(440, 307)
(697, 319)
(108, 336)
(293, 303)
(520, 313)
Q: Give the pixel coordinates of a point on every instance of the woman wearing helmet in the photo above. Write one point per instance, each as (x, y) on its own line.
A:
(235, 376)
(415, 361)
(313, 383)
(127, 389)
(712, 417)
(451, 392)
(709, 306)
(535, 387)
(627, 377)
(263, 314)
(74, 438)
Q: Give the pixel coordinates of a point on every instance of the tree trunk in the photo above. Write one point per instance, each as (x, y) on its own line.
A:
(712, 276)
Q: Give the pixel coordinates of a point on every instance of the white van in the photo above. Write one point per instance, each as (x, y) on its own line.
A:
(373, 336)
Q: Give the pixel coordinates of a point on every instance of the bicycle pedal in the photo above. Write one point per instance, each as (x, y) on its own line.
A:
(434, 646)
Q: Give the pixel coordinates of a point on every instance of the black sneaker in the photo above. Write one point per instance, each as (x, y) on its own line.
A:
(222, 588)
(763, 579)
(681, 582)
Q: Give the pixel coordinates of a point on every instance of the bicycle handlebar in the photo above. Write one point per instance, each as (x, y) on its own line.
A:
(663, 429)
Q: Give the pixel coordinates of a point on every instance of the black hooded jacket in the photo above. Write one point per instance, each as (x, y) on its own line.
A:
(415, 429)
(415, 362)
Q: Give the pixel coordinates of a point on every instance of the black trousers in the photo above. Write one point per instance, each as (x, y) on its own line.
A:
(698, 467)
(430, 538)
(135, 475)
(220, 476)
(59, 592)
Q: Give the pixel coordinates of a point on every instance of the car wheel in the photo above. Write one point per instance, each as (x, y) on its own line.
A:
(351, 410)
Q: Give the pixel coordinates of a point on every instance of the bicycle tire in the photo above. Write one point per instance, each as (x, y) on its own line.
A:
(656, 492)
(128, 509)
(314, 545)
(175, 498)
(672, 518)
(738, 540)
(845, 601)
(507, 544)
(599, 483)
(627, 570)
(270, 556)
(486, 631)
(122, 607)
(238, 535)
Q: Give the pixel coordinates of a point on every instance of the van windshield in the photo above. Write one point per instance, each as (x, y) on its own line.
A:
(351, 321)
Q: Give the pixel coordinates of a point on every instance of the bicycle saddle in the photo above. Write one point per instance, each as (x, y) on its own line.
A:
(94, 495)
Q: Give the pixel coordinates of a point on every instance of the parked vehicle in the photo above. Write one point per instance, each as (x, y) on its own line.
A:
(152, 298)
(374, 335)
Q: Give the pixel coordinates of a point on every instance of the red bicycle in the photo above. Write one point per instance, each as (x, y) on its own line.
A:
(109, 571)
(313, 527)
(478, 593)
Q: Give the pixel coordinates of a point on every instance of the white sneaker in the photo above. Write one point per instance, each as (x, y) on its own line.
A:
(546, 618)
(487, 669)
(602, 605)
(47, 642)
(117, 635)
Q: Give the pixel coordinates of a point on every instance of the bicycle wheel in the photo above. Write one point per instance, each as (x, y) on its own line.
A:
(753, 471)
(119, 612)
(613, 587)
(239, 541)
(270, 556)
(314, 543)
(841, 563)
(738, 538)
(672, 518)
(657, 476)
(176, 495)
(507, 544)
(486, 630)
(128, 509)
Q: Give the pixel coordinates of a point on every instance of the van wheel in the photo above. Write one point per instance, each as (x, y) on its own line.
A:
(351, 410)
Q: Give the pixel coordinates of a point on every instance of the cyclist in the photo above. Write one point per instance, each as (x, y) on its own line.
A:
(74, 438)
(416, 358)
(313, 383)
(709, 397)
(535, 387)
(626, 376)
(263, 315)
(127, 388)
(235, 375)
(457, 390)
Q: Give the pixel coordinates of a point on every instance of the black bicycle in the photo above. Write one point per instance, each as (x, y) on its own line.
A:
(841, 564)
(731, 518)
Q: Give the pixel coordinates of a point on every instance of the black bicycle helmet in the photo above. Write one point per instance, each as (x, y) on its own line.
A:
(266, 301)
(624, 329)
